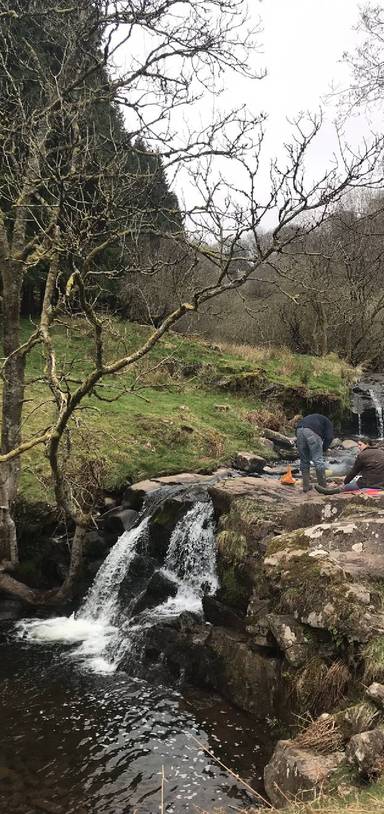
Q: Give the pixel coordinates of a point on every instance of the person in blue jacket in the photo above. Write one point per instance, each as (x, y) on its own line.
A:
(314, 435)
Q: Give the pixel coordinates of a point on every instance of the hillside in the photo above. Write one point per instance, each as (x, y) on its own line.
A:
(186, 406)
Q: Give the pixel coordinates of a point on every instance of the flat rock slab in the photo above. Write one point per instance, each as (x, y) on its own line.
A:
(183, 479)
(356, 544)
(271, 491)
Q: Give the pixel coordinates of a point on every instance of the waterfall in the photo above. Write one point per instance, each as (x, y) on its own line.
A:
(191, 554)
(102, 629)
(359, 424)
(379, 413)
(101, 603)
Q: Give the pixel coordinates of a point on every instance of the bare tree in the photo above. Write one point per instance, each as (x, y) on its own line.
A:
(69, 193)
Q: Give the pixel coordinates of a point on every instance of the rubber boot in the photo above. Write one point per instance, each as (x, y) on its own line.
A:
(306, 482)
(321, 479)
(322, 484)
(328, 490)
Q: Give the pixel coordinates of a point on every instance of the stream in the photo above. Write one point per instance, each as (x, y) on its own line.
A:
(80, 735)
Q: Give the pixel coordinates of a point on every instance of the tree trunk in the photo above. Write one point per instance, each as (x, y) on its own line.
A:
(75, 564)
(12, 405)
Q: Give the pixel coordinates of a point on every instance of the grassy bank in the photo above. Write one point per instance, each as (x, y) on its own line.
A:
(369, 801)
(186, 406)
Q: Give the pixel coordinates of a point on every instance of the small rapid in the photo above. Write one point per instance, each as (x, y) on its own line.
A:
(102, 630)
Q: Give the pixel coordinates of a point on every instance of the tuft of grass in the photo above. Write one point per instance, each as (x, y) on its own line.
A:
(373, 657)
(321, 736)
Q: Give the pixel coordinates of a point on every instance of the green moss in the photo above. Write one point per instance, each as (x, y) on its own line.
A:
(293, 541)
(232, 590)
(232, 546)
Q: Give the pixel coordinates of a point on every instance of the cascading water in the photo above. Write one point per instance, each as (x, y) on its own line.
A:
(191, 556)
(360, 424)
(379, 413)
(101, 627)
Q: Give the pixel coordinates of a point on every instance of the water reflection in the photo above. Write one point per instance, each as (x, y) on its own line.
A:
(74, 741)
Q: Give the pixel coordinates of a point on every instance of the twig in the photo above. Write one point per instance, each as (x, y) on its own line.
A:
(233, 774)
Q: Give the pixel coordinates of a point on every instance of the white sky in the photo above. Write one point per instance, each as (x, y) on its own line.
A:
(303, 42)
(301, 47)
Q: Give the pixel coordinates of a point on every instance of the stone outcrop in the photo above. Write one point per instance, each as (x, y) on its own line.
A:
(297, 774)
(304, 575)
(365, 750)
(375, 693)
(248, 462)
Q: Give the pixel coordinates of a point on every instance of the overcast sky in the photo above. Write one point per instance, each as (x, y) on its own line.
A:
(301, 48)
(301, 45)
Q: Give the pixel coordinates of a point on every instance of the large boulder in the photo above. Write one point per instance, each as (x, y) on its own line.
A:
(313, 584)
(366, 751)
(248, 462)
(294, 774)
(221, 615)
(246, 678)
(291, 637)
(279, 440)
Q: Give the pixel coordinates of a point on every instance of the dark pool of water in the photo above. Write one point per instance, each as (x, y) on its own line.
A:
(73, 741)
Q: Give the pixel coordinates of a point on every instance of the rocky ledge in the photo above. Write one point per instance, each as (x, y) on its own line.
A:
(296, 627)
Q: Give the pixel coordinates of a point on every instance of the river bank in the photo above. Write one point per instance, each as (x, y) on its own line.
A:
(287, 629)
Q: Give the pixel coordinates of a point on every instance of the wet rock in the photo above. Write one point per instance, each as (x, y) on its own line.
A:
(349, 444)
(158, 590)
(115, 522)
(162, 522)
(221, 615)
(296, 774)
(365, 749)
(278, 439)
(11, 609)
(140, 570)
(291, 638)
(335, 443)
(95, 546)
(246, 678)
(248, 462)
(375, 693)
(257, 610)
(178, 646)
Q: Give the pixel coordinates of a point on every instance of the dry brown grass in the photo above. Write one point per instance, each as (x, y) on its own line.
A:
(321, 736)
(320, 688)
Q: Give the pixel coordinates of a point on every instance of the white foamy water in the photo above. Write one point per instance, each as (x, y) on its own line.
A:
(102, 633)
(191, 555)
(376, 401)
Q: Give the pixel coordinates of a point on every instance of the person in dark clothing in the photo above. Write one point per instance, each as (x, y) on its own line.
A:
(369, 466)
(314, 435)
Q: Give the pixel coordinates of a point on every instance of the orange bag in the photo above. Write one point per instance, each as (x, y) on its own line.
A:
(288, 479)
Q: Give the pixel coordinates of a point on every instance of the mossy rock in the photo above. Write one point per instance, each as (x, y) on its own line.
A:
(316, 590)
(233, 591)
(231, 546)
